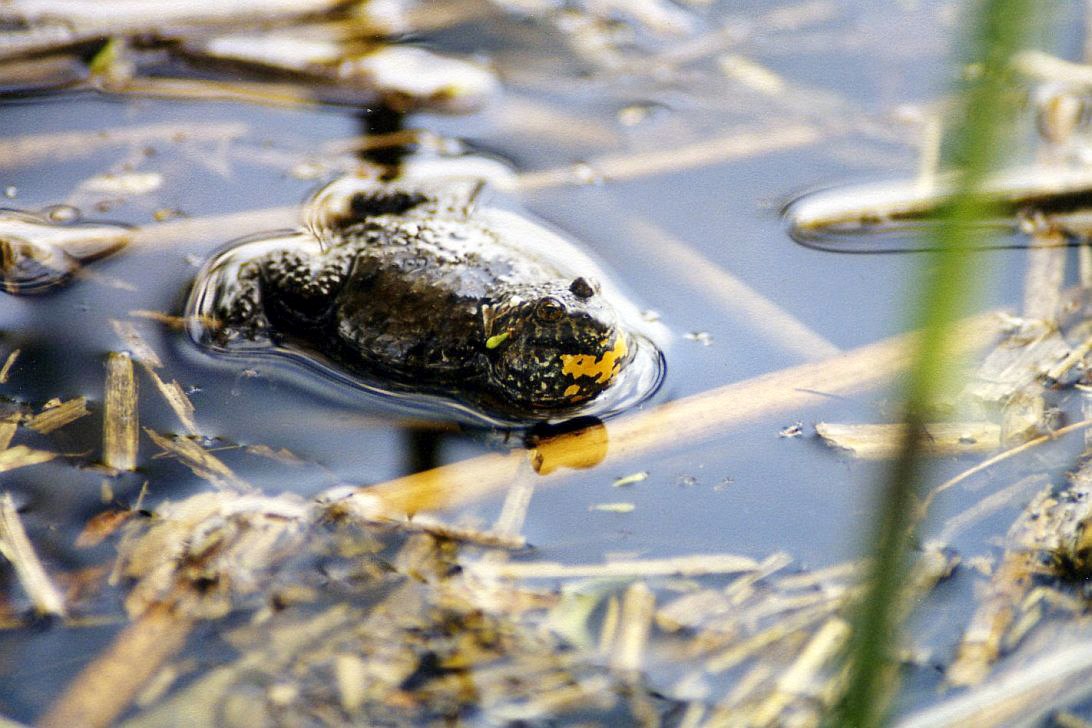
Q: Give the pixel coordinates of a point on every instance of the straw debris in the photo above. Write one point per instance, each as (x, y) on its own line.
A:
(873, 442)
(17, 549)
(171, 391)
(21, 456)
(120, 419)
(203, 463)
(57, 416)
(5, 370)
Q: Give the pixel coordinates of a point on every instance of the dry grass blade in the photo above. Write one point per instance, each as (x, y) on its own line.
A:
(204, 464)
(940, 438)
(16, 548)
(54, 418)
(5, 371)
(695, 565)
(691, 420)
(21, 456)
(137, 345)
(120, 421)
(790, 625)
(630, 165)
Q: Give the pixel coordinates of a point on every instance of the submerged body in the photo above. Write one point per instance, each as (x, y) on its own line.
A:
(419, 286)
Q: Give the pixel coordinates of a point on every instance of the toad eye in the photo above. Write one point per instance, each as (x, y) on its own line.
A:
(549, 310)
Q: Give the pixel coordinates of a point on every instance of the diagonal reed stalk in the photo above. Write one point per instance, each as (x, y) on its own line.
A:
(981, 131)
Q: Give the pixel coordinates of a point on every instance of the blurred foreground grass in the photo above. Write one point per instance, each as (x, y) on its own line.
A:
(982, 125)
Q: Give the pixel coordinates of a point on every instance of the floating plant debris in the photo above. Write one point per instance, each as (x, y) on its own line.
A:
(883, 217)
(37, 253)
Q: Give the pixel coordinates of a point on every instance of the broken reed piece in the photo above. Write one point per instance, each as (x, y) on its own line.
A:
(150, 361)
(120, 427)
(5, 371)
(203, 463)
(638, 608)
(57, 416)
(16, 548)
(874, 442)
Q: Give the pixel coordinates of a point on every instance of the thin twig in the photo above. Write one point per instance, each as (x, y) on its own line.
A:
(1001, 457)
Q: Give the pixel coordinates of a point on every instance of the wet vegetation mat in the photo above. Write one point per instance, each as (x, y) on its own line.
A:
(196, 534)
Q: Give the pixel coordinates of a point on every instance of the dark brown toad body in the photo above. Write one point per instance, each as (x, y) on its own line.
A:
(415, 285)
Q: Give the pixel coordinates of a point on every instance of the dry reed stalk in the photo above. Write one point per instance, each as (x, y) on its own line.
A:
(1023, 696)
(8, 427)
(693, 565)
(119, 413)
(728, 147)
(21, 456)
(634, 628)
(17, 549)
(106, 686)
(691, 420)
(5, 371)
(54, 418)
(940, 438)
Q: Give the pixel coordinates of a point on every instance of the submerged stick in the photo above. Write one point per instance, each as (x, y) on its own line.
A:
(692, 420)
(106, 686)
(630, 165)
(739, 300)
(30, 149)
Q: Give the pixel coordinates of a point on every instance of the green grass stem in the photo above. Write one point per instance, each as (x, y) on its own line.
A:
(980, 135)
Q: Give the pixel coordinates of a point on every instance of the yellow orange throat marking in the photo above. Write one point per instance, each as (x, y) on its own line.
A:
(603, 368)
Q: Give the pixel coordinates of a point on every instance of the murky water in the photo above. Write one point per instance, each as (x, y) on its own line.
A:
(672, 172)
